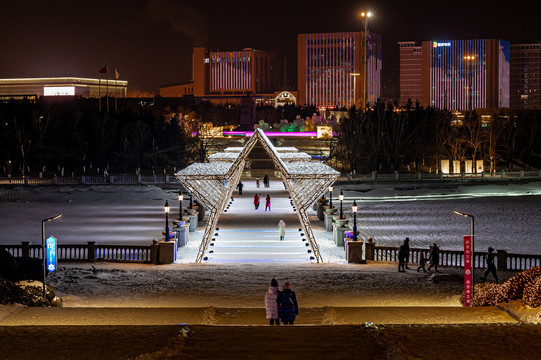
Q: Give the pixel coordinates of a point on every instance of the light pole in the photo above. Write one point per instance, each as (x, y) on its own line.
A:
(365, 16)
(44, 249)
(472, 245)
(354, 210)
(180, 198)
(470, 59)
(330, 196)
(341, 198)
(166, 209)
(355, 87)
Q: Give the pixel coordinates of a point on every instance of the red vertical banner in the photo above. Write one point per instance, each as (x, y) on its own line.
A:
(468, 273)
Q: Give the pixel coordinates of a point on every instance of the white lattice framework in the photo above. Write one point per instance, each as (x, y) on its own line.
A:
(213, 183)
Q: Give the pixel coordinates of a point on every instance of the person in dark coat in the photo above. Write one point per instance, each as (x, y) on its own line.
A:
(240, 186)
(434, 257)
(287, 305)
(401, 258)
(491, 268)
(266, 181)
(407, 252)
(422, 262)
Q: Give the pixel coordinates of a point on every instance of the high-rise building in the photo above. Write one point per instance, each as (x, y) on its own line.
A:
(330, 69)
(526, 76)
(457, 74)
(228, 76)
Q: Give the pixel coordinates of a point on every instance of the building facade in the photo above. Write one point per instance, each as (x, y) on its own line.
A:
(526, 76)
(456, 74)
(61, 86)
(228, 76)
(330, 69)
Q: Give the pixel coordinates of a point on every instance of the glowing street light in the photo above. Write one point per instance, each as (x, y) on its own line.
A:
(44, 249)
(355, 87)
(166, 209)
(365, 15)
(341, 198)
(330, 195)
(180, 197)
(354, 210)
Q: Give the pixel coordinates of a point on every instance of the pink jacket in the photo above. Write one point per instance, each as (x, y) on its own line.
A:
(271, 306)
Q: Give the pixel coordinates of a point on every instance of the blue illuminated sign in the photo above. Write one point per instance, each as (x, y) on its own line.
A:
(437, 44)
(51, 253)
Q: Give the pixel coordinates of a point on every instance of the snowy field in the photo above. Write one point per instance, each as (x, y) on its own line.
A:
(507, 216)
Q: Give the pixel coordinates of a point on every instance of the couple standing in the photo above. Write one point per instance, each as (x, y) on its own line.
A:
(281, 304)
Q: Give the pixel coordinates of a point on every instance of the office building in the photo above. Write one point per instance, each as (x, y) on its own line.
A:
(525, 76)
(330, 69)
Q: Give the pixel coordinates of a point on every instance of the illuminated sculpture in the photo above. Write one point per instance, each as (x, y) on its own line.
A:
(213, 183)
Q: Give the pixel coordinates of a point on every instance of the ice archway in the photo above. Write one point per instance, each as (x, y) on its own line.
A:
(213, 183)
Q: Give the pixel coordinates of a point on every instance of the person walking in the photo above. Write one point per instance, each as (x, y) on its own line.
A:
(256, 201)
(434, 257)
(422, 262)
(257, 182)
(407, 252)
(281, 229)
(271, 304)
(401, 258)
(491, 268)
(240, 186)
(267, 202)
(288, 307)
(266, 181)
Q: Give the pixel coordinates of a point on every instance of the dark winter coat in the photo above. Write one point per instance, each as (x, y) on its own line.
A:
(288, 307)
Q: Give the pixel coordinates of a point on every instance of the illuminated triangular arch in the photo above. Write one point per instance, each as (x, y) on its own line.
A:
(213, 183)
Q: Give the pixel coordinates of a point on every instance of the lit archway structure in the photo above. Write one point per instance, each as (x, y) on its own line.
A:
(213, 183)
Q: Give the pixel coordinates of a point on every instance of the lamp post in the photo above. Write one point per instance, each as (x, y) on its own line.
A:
(166, 209)
(355, 87)
(191, 201)
(180, 198)
(44, 249)
(470, 59)
(341, 198)
(354, 210)
(330, 196)
(365, 15)
(472, 245)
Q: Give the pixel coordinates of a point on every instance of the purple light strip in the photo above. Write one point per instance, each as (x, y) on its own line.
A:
(272, 133)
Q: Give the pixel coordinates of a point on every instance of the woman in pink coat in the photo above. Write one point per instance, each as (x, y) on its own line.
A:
(271, 306)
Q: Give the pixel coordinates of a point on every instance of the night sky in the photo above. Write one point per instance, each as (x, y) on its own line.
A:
(150, 41)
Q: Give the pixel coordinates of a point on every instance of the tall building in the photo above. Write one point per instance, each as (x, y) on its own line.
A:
(228, 76)
(457, 74)
(411, 70)
(330, 70)
(526, 76)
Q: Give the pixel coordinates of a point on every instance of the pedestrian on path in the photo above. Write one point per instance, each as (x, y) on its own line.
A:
(287, 305)
(491, 268)
(240, 186)
(271, 304)
(256, 201)
(402, 258)
(434, 257)
(267, 202)
(266, 181)
(422, 262)
(407, 252)
(257, 182)
(282, 229)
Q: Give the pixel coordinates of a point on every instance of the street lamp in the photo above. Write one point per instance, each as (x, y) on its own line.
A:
(191, 201)
(355, 88)
(472, 245)
(341, 198)
(330, 196)
(166, 209)
(354, 210)
(470, 59)
(365, 16)
(180, 198)
(44, 249)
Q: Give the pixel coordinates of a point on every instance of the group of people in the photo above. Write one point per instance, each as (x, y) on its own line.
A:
(281, 305)
(257, 197)
(266, 181)
(404, 255)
